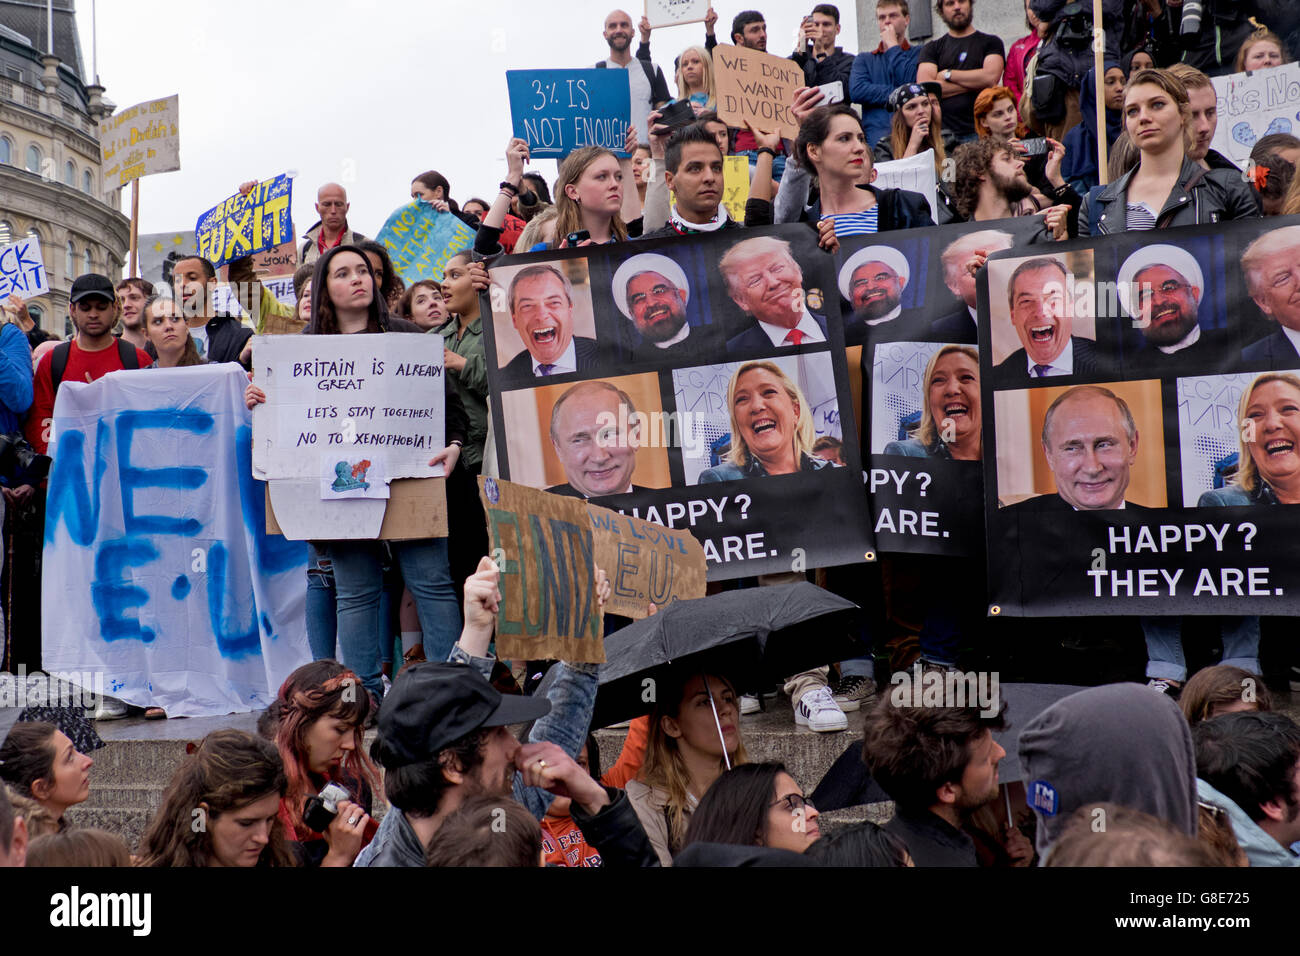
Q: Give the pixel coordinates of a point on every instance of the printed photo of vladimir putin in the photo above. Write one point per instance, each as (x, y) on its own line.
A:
(1161, 288)
(766, 282)
(595, 430)
(540, 299)
(872, 281)
(1040, 299)
(652, 291)
(1090, 440)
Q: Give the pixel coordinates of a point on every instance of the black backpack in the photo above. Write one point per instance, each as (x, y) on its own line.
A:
(59, 361)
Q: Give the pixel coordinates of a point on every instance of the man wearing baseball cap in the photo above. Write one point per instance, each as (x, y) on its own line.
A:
(443, 735)
(652, 292)
(91, 355)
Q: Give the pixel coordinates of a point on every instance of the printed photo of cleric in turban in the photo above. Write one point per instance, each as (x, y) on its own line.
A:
(654, 295)
(874, 281)
(1163, 292)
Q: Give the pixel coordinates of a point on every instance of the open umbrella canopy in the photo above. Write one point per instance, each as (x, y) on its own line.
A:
(752, 636)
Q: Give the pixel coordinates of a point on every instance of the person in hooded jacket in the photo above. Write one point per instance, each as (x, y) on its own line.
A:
(1247, 765)
(1118, 743)
(1080, 165)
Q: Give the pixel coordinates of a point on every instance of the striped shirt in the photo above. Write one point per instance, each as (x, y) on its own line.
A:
(856, 223)
(1139, 217)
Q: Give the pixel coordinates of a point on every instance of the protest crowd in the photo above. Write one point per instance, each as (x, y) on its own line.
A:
(400, 744)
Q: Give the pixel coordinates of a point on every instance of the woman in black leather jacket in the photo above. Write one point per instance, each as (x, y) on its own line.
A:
(1165, 188)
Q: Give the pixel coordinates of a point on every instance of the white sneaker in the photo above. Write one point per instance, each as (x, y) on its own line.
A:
(818, 711)
(109, 708)
(749, 704)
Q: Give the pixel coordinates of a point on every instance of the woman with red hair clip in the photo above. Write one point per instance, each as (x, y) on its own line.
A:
(317, 721)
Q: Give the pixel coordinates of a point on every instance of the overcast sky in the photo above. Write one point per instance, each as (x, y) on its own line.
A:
(368, 94)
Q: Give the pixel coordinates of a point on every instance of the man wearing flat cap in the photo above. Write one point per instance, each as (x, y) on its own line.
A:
(652, 292)
(1161, 288)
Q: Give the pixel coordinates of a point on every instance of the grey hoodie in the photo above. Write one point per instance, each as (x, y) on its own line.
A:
(1121, 743)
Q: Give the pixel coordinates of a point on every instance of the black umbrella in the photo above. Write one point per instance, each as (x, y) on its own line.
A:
(754, 636)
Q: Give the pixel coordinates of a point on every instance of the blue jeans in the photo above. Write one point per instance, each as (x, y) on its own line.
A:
(363, 625)
(1164, 637)
(778, 163)
(322, 612)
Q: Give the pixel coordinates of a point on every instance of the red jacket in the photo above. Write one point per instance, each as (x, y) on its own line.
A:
(562, 840)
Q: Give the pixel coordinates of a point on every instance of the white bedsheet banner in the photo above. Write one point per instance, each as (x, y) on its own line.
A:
(157, 566)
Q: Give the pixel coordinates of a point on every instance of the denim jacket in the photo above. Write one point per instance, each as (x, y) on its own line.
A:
(572, 696)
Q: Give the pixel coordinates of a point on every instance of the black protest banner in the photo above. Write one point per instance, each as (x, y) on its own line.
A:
(909, 302)
(698, 383)
(1142, 401)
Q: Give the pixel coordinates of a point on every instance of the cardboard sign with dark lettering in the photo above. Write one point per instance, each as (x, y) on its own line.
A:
(545, 549)
(646, 562)
(756, 88)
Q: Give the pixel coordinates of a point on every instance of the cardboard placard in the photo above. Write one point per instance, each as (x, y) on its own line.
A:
(756, 88)
(420, 240)
(276, 262)
(326, 393)
(545, 549)
(672, 13)
(243, 225)
(646, 562)
(558, 111)
(416, 508)
(141, 140)
(22, 270)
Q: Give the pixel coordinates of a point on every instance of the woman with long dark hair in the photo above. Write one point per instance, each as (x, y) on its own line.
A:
(221, 807)
(346, 301)
(757, 804)
(39, 761)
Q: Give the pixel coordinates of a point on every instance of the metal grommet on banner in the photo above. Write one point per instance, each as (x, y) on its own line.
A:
(994, 610)
(870, 556)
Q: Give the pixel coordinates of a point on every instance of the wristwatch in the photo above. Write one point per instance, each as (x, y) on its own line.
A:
(947, 75)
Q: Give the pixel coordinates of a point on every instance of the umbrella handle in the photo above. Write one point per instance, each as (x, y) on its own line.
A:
(726, 758)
